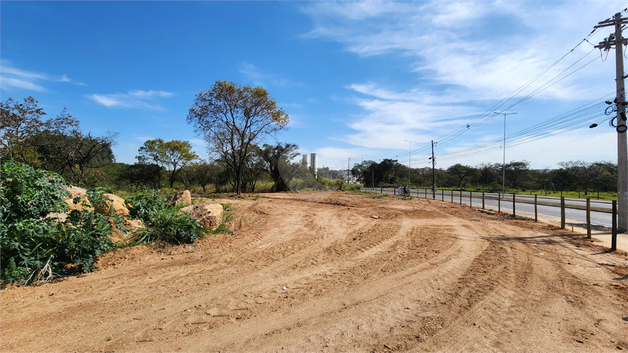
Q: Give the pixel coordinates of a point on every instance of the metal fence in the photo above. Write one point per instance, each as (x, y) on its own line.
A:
(604, 212)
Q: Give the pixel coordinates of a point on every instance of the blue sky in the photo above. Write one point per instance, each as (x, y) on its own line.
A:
(358, 79)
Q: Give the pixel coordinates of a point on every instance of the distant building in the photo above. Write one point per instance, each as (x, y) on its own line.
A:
(305, 161)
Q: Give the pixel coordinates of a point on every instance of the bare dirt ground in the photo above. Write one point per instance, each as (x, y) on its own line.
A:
(329, 272)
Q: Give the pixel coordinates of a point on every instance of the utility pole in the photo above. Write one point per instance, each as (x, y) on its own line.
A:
(618, 41)
(504, 153)
(348, 169)
(433, 173)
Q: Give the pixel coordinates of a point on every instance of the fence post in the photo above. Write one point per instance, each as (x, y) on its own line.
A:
(451, 193)
(499, 202)
(460, 197)
(426, 193)
(614, 232)
(482, 199)
(470, 198)
(442, 195)
(536, 214)
(514, 214)
(562, 212)
(588, 218)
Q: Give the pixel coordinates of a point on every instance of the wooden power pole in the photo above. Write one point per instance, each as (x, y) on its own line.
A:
(618, 41)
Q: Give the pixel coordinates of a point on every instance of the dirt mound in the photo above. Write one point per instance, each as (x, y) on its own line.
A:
(318, 272)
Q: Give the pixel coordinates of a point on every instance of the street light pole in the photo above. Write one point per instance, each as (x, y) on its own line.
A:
(410, 161)
(504, 153)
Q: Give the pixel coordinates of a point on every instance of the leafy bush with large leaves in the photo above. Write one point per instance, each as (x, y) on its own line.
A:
(162, 222)
(29, 240)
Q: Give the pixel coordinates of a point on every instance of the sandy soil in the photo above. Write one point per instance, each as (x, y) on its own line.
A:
(330, 272)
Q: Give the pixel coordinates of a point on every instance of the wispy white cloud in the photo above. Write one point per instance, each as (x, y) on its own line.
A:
(198, 143)
(11, 76)
(291, 105)
(137, 99)
(392, 117)
(143, 138)
(149, 94)
(486, 49)
(20, 83)
(464, 55)
(260, 78)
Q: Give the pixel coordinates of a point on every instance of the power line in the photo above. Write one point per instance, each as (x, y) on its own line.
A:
(584, 113)
(571, 120)
(487, 115)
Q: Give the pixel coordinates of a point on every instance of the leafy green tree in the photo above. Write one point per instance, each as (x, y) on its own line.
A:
(186, 177)
(255, 167)
(562, 179)
(72, 153)
(142, 175)
(55, 144)
(487, 174)
(460, 173)
(606, 176)
(583, 174)
(232, 118)
(204, 173)
(21, 122)
(172, 155)
(389, 169)
(279, 164)
(517, 173)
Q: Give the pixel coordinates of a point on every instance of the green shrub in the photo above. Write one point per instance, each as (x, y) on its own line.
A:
(378, 196)
(354, 187)
(28, 193)
(29, 241)
(170, 227)
(162, 221)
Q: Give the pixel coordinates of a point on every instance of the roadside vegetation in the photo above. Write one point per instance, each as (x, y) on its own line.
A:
(42, 155)
(573, 179)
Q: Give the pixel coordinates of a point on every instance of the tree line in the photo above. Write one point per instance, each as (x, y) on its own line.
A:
(571, 176)
(233, 119)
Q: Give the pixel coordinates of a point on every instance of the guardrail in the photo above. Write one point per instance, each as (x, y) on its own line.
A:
(467, 197)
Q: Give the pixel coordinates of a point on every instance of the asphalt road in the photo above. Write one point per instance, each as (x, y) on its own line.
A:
(524, 206)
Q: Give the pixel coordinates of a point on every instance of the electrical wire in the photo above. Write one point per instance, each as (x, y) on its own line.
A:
(488, 114)
(547, 85)
(571, 120)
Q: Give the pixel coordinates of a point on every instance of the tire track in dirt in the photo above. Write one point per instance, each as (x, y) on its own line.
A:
(416, 278)
(328, 307)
